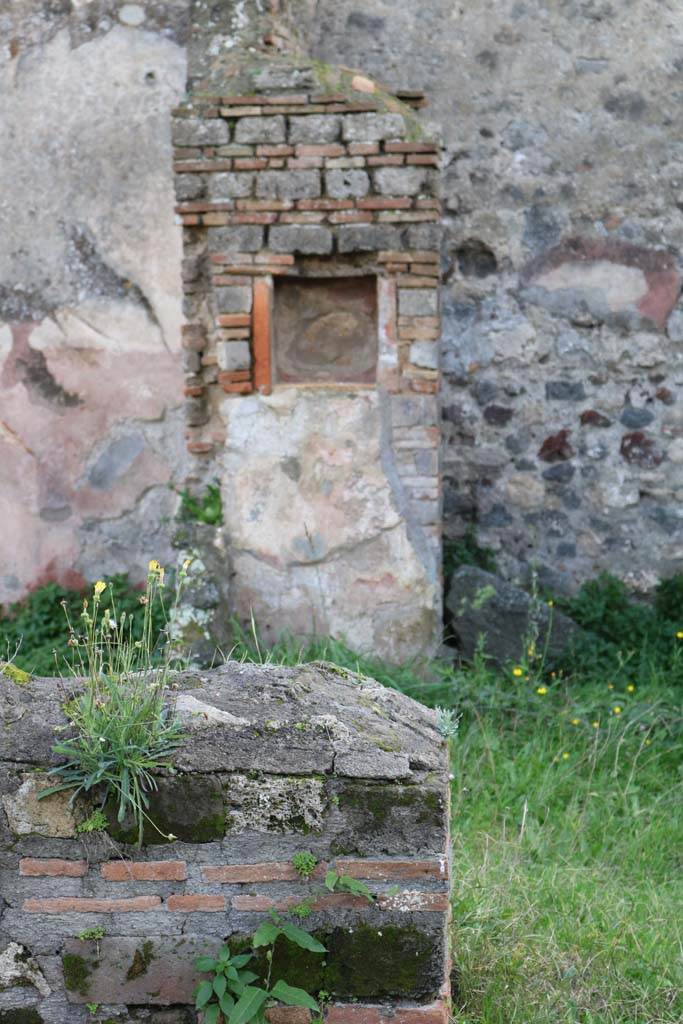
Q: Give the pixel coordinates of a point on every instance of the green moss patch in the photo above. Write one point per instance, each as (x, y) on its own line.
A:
(190, 807)
(22, 1015)
(142, 958)
(77, 971)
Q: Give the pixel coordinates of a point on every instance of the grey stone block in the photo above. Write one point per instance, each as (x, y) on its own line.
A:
(188, 186)
(401, 181)
(373, 127)
(191, 131)
(418, 302)
(260, 129)
(233, 355)
(233, 299)
(238, 238)
(345, 184)
(306, 238)
(424, 236)
(425, 354)
(482, 604)
(230, 186)
(288, 185)
(314, 128)
(367, 237)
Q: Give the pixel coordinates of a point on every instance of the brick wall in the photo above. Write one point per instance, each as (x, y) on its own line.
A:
(314, 175)
(276, 761)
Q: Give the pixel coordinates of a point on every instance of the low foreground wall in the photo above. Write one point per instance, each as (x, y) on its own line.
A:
(275, 761)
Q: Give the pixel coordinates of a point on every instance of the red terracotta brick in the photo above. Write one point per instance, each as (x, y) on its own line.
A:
(199, 447)
(378, 203)
(264, 204)
(318, 149)
(276, 165)
(385, 161)
(232, 279)
(325, 204)
(413, 900)
(352, 1013)
(424, 387)
(423, 160)
(392, 869)
(35, 867)
(196, 902)
(288, 1015)
(89, 905)
(304, 217)
(193, 391)
(396, 268)
(428, 204)
(351, 217)
(240, 388)
(215, 219)
(144, 871)
(190, 220)
(275, 871)
(235, 376)
(410, 147)
(352, 108)
(363, 148)
(242, 101)
(203, 206)
(232, 257)
(261, 903)
(235, 333)
(241, 111)
(285, 99)
(253, 218)
(246, 163)
(261, 328)
(427, 269)
(233, 320)
(434, 1013)
(418, 256)
(201, 166)
(279, 150)
(282, 259)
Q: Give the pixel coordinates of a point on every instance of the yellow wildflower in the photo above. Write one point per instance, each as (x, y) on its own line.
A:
(153, 566)
(531, 650)
(565, 756)
(679, 634)
(596, 725)
(630, 688)
(576, 721)
(610, 686)
(648, 742)
(542, 690)
(186, 564)
(517, 671)
(616, 710)
(100, 586)
(551, 604)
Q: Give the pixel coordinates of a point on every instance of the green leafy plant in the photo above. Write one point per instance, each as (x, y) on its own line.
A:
(230, 997)
(344, 883)
(92, 935)
(304, 863)
(92, 1008)
(467, 551)
(125, 728)
(205, 508)
(95, 822)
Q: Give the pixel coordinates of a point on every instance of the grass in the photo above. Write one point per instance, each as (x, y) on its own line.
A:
(566, 836)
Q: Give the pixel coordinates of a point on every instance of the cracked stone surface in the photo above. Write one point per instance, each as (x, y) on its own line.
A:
(321, 540)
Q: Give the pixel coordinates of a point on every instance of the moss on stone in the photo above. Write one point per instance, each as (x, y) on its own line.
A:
(17, 675)
(189, 807)
(142, 958)
(77, 973)
(21, 1015)
(376, 963)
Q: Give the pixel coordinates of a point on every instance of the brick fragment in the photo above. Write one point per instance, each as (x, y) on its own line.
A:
(393, 256)
(267, 205)
(249, 163)
(363, 148)
(193, 391)
(52, 867)
(325, 204)
(235, 333)
(423, 160)
(233, 319)
(393, 869)
(241, 111)
(88, 905)
(195, 902)
(231, 388)
(275, 871)
(350, 217)
(199, 447)
(283, 259)
(144, 871)
(385, 203)
(261, 328)
(410, 147)
(323, 149)
(303, 217)
(281, 149)
(385, 161)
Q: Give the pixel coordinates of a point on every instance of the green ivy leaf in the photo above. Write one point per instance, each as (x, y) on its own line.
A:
(265, 934)
(204, 993)
(301, 938)
(293, 996)
(248, 1005)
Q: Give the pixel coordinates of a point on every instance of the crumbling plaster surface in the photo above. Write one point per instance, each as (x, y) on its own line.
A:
(90, 313)
(319, 532)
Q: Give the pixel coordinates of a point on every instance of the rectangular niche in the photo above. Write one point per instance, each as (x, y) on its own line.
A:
(325, 330)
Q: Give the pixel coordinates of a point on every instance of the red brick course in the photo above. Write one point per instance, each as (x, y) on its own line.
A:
(53, 867)
(196, 902)
(144, 871)
(392, 869)
(89, 905)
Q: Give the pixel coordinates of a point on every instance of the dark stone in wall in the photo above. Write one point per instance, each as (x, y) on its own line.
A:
(634, 419)
(565, 391)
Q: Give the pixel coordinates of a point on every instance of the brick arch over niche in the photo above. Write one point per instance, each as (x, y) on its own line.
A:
(310, 211)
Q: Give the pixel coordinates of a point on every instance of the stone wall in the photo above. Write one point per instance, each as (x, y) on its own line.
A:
(563, 234)
(275, 761)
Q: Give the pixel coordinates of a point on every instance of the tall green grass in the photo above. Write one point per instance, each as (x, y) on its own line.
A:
(567, 835)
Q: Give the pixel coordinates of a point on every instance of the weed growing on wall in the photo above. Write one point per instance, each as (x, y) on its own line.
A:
(203, 508)
(229, 996)
(123, 720)
(32, 631)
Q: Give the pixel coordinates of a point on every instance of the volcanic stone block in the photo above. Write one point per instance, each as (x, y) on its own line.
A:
(260, 129)
(193, 132)
(346, 184)
(288, 185)
(316, 128)
(230, 186)
(373, 127)
(304, 238)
